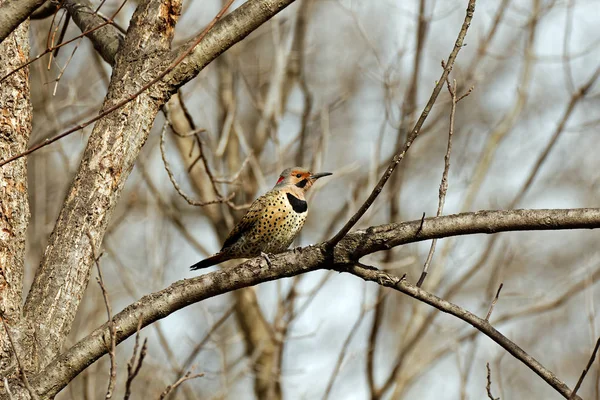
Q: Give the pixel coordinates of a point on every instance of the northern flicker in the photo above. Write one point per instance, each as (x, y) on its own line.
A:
(272, 221)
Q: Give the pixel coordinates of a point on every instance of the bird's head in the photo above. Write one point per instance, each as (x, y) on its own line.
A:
(298, 177)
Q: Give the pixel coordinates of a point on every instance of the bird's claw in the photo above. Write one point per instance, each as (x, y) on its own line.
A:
(267, 259)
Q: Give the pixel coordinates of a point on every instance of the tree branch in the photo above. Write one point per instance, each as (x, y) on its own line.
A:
(13, 13)
(107, 161)
(402, 285)
(155, 306)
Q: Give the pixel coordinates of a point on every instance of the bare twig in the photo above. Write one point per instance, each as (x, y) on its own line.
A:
(575, 99)
(233, 179)
(63, 32)
(179, 381)
(112, 328)
(180, 191)
(198, 348)
(585, 371)
(444, 183)
(375, 326)
(488, 386)
(414, 132)
(169, 210)
(489, 314)
(30, 389)
(188, 362)
(133, 367)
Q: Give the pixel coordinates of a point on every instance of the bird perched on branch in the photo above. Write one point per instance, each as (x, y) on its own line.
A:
(272, 221)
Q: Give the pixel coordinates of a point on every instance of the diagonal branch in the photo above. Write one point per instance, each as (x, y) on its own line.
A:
(401, 285)
(180, 294)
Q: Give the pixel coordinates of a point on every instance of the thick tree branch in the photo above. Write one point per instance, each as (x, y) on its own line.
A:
(13, 12)
(180, 294)
(107, 161)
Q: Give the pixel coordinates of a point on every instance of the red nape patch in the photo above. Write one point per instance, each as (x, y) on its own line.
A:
(279, 180)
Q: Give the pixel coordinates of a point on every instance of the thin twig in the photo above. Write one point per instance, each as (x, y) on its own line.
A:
(585, 371)
(180, 191)
(64, 68)
(198, 348)
(489, 314)
(444, 183)
(233, 179)
(111, 325)
(133, 368)
(63, 32)
(414, 132)
(169, 211)
(188, 362)
(31, 391)
(179, 381)
(488, 386)
(127, 100)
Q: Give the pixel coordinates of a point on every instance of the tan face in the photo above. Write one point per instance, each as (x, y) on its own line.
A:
(299, 177)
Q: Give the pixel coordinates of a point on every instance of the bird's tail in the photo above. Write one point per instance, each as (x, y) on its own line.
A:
(210, 261)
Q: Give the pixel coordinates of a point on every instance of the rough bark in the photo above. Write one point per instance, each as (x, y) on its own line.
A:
(13, 12)
(349, 250)
(108, 159)
(15, 127)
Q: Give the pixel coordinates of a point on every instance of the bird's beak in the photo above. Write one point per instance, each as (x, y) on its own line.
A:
(314, 177)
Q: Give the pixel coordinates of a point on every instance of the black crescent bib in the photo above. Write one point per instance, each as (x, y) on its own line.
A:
(298, 205)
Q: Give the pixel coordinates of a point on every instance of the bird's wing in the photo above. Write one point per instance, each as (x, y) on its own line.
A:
(248, 220)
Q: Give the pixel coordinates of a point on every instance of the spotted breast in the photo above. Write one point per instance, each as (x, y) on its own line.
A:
(272, 221)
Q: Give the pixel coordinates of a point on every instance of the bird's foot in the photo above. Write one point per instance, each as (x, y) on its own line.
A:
(267, 259)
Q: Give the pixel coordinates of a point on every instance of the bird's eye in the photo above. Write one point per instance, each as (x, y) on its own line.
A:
(298, 175)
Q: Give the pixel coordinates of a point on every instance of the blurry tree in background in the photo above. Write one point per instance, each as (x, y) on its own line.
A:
(165, 146)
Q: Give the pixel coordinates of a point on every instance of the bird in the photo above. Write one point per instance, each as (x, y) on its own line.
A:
(272, 221)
